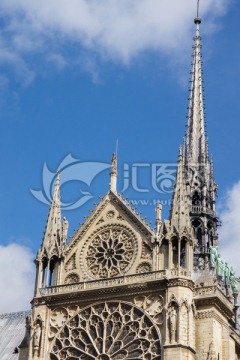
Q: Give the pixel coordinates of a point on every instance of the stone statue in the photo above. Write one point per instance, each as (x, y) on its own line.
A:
(220, 267)
(173, 324)
(213, 256)
(37, 338)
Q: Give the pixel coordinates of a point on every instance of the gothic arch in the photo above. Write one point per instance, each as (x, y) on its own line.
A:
(184, 322)
(198, 230)
(108, 330)
(210, 231)
(196, 198)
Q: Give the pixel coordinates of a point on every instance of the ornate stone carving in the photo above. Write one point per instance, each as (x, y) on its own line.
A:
(100, 221)
(144, 267)
(108, 331)
(110, 251)
(120, 217)
(72, 278)
(153, 305)
(213, 256)
(110, 215)
(59, 317)
(204, 314)
(71, 263)
(37, 336)
(146, 252)
(173, 323)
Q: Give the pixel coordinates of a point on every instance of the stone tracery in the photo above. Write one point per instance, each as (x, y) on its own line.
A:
(110, 251)
(108, 331)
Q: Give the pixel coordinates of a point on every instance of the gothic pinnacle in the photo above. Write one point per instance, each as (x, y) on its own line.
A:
(180, 207)
(113, 174)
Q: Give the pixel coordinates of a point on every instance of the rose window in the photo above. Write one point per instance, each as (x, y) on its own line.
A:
(108, 331)
(111, 251)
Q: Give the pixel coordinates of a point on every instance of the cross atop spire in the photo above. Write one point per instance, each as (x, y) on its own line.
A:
(198, 5)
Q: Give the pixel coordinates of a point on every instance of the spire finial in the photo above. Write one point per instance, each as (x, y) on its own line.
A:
(113, 174)
(198, 20)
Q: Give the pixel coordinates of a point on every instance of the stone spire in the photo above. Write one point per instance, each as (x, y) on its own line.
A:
(200, 184)
(179, 217)
(196, 147)
(113, 174)
(53, 232)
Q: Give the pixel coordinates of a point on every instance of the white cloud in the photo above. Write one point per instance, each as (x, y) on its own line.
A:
(16, 278)
(229, 233)
(118, 30)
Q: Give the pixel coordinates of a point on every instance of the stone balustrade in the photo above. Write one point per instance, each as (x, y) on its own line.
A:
(117, 281)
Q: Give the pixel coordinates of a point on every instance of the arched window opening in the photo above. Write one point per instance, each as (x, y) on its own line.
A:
(183, 252)
(52, 271)
(44, 272)
(199, 236)
(210, 234)
(198, 231)
(175, 252)
(196, 200)
(165, 254)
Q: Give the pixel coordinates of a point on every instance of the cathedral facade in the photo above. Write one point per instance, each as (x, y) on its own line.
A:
(122, 290)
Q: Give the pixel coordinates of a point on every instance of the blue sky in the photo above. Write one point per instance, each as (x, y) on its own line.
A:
(76, 81)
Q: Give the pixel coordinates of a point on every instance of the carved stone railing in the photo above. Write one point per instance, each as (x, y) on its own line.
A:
(198, 209)
(116, 281)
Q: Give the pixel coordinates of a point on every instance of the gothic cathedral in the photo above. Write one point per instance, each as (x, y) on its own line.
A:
(121, 290)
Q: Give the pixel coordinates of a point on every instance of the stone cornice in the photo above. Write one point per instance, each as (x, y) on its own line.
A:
(100, 294)
(106, 288)
(213, 296)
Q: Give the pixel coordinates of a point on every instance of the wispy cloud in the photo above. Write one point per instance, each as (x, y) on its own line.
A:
(16, 278)
(115, 30)
(230, 230)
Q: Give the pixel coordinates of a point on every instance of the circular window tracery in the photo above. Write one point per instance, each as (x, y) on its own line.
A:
(108, 331)
(110, 251)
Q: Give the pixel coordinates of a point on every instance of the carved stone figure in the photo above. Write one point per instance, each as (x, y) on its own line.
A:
(213, 256)
(37, 338)
(220, 267)
(173, 324)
